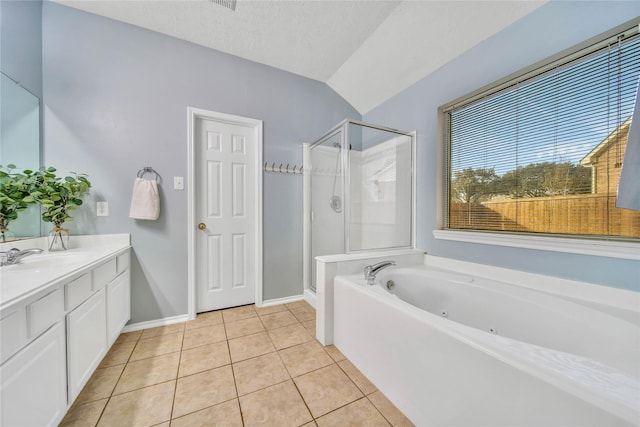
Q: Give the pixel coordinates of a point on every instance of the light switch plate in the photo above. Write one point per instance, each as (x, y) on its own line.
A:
(178, 183)
(102, 209)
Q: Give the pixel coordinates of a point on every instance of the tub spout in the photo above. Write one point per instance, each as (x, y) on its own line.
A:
(370, 271)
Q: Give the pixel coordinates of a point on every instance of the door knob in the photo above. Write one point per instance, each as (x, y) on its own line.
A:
(202, 226)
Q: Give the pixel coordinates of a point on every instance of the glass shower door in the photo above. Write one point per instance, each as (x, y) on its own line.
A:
(380, 189)
(327, 199)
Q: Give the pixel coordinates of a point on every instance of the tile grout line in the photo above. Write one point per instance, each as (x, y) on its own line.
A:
(233, 373)
(102, 412)
(255, 357)
(235, 384)
(116, 384)
(377, 409)
(291, 376)
(351, 379)
(175, 388)
(340, 407)
(231, 362)
(304, 401)
(356, 386)
(277, 351)
(198, 410)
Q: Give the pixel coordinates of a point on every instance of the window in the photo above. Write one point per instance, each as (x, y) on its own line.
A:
(542, 153)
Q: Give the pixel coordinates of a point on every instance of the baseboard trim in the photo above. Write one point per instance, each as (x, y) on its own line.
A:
(284, 300)
(310, 297)
(155, 323)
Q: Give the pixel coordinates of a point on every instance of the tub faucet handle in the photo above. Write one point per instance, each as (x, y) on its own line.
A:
(370, 271)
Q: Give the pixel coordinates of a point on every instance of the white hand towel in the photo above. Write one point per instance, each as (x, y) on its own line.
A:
(145, 201)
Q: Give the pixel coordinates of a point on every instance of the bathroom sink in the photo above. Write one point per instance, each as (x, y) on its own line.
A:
(48, 260)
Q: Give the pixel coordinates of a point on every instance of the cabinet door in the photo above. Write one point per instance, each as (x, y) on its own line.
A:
(34, 385)
(118, 305)
(86, 341)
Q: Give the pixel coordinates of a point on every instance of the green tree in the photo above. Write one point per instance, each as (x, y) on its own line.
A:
(473, 185)
(545, 179)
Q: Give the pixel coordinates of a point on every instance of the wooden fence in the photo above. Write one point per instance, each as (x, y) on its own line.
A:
(576, 214)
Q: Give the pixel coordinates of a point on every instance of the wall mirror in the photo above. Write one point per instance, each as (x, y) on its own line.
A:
(20, 145)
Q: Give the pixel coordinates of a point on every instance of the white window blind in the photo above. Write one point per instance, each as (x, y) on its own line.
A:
(542, 153)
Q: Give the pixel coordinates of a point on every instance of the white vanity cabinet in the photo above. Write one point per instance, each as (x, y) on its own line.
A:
(52, 341)
(34, 384)
(33, 376)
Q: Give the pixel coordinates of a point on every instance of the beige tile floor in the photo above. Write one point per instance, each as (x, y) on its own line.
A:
(242, 366)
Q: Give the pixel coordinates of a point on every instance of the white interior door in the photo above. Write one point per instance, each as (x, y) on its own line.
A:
(225, 213)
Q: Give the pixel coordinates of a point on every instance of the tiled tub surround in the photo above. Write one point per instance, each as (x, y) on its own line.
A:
(240, 366)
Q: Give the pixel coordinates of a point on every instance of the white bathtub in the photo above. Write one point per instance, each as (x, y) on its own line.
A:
(453, 350)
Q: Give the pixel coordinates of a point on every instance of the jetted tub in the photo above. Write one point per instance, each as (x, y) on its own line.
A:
(453, 350)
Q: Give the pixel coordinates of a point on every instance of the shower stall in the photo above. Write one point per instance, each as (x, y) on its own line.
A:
(359, 192)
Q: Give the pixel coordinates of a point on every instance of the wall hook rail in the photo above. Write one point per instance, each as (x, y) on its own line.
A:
(282, 169)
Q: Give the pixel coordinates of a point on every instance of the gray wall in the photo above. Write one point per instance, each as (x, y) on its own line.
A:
(116, 99)
(21, 59)
(21, 43)
(550, 29)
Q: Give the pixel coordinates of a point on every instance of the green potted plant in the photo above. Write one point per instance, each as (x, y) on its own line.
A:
(14, 188)
(58, 196)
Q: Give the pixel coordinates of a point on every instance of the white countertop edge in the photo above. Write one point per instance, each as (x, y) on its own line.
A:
(103, 248)
(75, 242)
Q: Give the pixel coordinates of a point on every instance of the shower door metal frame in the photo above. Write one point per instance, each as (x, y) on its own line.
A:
(347, 187)
(346, 192)
(308, 220)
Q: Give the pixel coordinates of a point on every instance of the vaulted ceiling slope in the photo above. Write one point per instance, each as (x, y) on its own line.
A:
(366, 50)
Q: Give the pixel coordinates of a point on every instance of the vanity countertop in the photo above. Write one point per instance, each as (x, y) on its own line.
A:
(38, 272)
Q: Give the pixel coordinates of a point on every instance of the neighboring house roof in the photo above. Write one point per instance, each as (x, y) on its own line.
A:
(618, 134)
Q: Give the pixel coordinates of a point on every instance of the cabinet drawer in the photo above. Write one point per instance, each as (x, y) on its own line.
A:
(122, 262)
(77, 291)
(13, 332)
(104, 274)
(45, 312)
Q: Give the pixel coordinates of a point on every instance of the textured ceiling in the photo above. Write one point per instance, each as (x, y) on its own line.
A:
(366, 50)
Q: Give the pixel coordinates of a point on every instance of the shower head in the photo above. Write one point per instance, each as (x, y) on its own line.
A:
(336, 203)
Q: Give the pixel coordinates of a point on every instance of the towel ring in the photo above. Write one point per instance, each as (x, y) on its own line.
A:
(148, 169)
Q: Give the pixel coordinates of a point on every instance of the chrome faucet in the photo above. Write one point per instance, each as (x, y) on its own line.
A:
(370, 271)
(14, 255)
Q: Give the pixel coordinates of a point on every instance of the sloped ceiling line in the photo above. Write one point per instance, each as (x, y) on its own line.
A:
(366, 50)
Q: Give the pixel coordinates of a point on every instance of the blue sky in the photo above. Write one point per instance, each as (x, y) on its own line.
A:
(558, 117)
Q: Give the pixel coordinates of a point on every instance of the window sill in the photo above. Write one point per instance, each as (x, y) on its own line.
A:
(611, 249)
